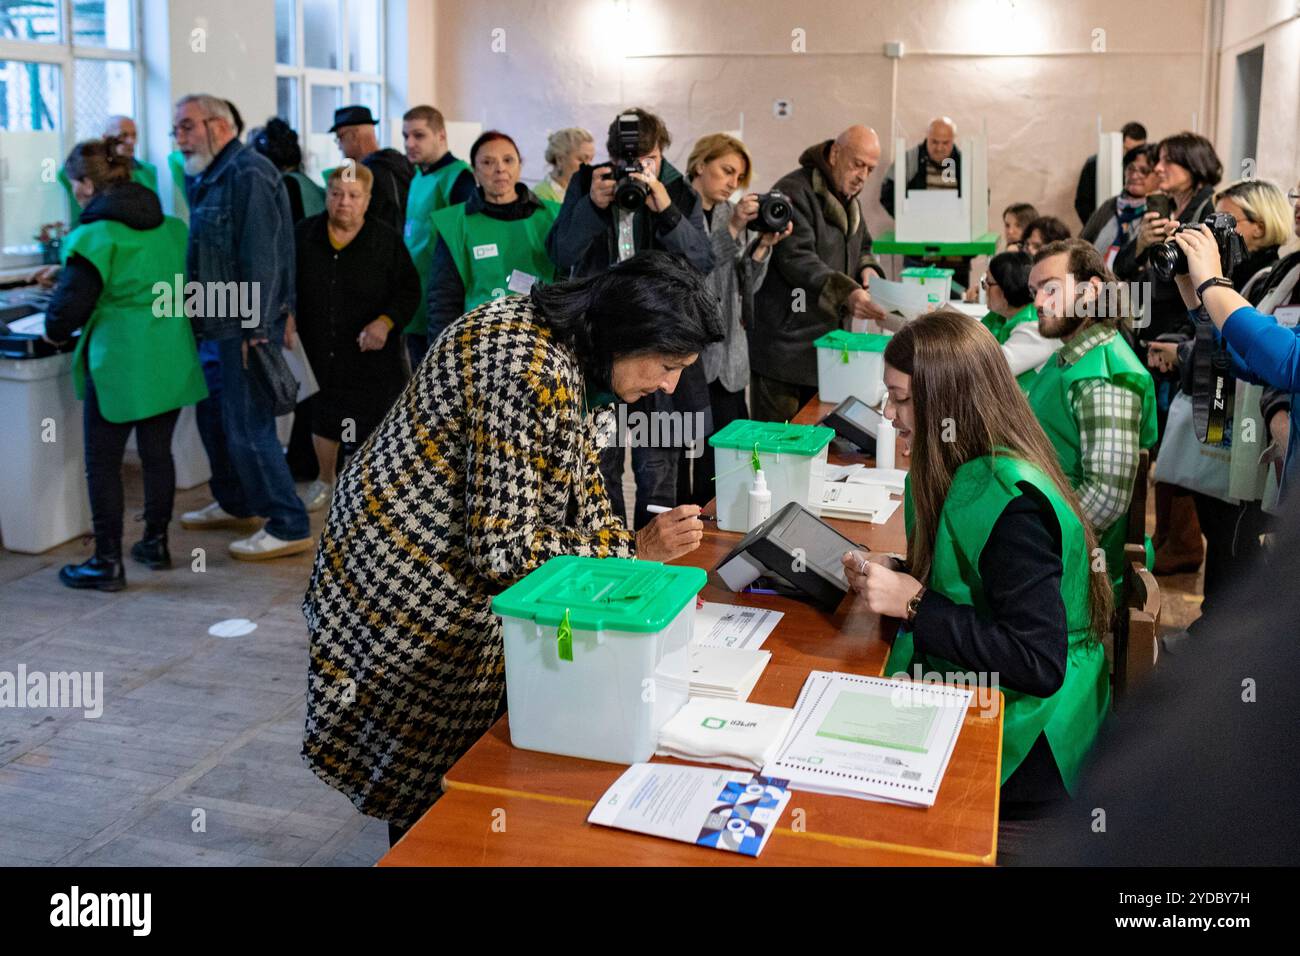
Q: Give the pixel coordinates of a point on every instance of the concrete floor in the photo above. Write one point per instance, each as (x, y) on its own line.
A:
(195, 759)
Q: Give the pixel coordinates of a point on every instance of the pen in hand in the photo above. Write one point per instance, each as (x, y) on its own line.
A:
(660, 510)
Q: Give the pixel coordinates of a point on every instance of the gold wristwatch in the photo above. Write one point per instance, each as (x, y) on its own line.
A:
(914, 604)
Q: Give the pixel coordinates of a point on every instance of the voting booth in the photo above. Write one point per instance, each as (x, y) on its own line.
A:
(1110, 165)
(596, 654)
(43, 499)
(943, 215)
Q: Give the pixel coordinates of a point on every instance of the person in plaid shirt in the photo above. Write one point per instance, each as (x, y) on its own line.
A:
(1095, 399)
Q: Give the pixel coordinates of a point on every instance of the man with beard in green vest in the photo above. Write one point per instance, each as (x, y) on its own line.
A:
(441, 180)
(1095, 398)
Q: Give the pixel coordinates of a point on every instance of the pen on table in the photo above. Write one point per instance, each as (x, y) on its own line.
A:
(660, 509)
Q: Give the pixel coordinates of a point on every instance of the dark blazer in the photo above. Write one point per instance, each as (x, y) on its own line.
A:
(340, 292)
(914, 169)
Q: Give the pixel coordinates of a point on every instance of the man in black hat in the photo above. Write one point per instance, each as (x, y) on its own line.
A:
(354, 131)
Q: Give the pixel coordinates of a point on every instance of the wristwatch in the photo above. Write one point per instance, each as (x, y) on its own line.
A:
(914, 604)
(1217, 280)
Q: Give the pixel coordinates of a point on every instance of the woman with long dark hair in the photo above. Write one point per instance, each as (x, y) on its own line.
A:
(999, 577)
(486, 467)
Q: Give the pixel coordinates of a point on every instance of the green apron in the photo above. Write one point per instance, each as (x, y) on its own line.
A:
(486, 250)
(176, 166)
(146, 174)
(142, 364)
(429, 193)
(313, 196)
(1049, 397)
(980, 491)
(1002, 328)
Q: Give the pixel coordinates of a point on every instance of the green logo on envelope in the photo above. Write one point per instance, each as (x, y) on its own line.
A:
(713, 723)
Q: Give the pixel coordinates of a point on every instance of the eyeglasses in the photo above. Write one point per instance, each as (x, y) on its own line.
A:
(986, 283)
(188, 126)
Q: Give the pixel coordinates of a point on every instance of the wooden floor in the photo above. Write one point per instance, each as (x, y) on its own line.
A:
(195, 759)
(195, 729)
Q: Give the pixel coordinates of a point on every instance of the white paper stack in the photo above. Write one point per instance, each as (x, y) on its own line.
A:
(726, 673)
(857, 501)
(871, 738)
(891, 479)
(730, 733)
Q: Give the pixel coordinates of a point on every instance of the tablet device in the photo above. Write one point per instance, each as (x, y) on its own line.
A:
(797, 548)
(855, 421)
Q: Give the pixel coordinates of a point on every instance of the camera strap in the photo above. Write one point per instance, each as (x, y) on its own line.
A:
(1212, 386)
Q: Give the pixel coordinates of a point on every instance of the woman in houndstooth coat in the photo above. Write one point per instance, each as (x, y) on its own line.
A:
(485, 468)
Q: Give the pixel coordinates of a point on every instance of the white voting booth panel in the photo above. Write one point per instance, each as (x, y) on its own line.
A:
(943, 215)
(43, 500)
(1110, 165)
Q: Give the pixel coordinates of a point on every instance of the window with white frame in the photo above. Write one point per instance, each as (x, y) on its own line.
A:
(329, 53)
(65, 67)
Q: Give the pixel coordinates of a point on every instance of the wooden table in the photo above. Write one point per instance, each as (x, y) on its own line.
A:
(506, 806)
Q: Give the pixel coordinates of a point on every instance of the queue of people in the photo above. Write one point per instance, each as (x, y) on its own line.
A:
(474, 341)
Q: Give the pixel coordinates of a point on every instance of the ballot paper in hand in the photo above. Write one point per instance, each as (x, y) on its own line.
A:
(871, 738)
(906, 300)
(727, 810)
(727, 732)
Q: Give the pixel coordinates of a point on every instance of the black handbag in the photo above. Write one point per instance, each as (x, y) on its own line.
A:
(272, 377)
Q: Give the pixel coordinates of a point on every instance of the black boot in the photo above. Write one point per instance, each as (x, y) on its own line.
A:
(151, 550)
(103, 571)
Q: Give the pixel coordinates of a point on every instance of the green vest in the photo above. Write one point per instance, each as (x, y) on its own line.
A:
(429, 193)
(1002, 328)
(486, 250)
(980, 491)
(142, 364)
(1049, 397)
(176, 166)
(313, 196)
(146, 174)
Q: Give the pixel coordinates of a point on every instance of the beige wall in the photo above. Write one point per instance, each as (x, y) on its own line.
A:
(1028, 71)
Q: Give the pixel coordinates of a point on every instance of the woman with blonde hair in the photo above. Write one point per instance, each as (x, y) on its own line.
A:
(1228, 496)
(566, 150)
(718, 166)
(999, 577)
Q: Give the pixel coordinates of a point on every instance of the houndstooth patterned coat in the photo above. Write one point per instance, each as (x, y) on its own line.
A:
(485, 468)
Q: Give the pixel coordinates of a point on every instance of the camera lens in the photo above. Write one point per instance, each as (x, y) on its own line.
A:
(630, 194)
(773, 213)
(1167, 261)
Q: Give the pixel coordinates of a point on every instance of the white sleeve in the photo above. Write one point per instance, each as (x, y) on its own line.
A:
(1025, 348)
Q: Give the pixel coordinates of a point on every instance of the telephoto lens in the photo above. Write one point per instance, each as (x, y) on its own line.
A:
(773, 212)
(629, 193)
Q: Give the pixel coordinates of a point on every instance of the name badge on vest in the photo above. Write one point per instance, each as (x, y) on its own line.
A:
(1287, 316)
(486, 252)
(520, 282)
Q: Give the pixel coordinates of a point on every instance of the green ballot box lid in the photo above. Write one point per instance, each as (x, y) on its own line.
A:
(926, 272)
(843, 341)
(773, 437)
(602, 594)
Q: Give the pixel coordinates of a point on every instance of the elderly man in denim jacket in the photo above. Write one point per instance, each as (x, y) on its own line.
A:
(241, 254)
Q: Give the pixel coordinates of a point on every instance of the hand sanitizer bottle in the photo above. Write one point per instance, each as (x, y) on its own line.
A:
(760, 501)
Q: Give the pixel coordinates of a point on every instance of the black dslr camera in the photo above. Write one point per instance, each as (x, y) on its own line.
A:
(1167, 260)
(773, 212)
(630, 194)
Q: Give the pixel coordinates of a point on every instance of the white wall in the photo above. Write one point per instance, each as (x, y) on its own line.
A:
(1031, 70)
(1275, 24)
(197, 46)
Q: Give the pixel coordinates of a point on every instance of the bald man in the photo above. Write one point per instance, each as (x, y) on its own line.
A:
(123, 129)
(932, 164)
(819, 276)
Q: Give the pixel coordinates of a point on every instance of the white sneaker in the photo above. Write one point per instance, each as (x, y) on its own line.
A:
(212, 516)
(318, 495)
(262, 546)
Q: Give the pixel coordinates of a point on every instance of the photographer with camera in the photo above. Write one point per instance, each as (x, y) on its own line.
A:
(1261, 345)
(634, 202)
(1187, 170)
(718, 166)
(1225, 476)
(819, 277)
